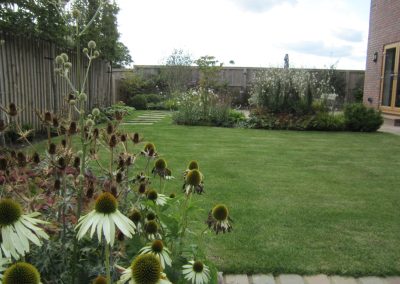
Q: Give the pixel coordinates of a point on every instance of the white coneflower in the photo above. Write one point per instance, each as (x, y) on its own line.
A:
(21, 272)
(103, 220)
(158, 249)
(152, 231)
(157, 198)
(145, 269)
(197, 272)
(3, 262)
(219, 220)
(193, 182)
(18, 229)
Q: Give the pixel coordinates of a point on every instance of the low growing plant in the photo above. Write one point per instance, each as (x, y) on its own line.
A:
(360, 118)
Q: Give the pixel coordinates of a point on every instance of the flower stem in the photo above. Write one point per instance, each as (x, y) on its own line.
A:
(107, 264)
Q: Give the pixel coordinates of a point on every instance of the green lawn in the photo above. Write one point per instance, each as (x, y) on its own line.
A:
(302, 202)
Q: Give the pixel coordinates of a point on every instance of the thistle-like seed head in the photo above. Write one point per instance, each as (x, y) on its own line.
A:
(52, 148)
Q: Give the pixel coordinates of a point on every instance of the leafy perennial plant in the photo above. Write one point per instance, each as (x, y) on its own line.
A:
(141, 233)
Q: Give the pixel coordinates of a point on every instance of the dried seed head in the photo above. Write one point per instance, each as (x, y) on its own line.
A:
(123, 137)
(118, 177)
(36, 158)
(95, 133)
(52, 149)
(110, 128)
(114, 191)
(135, 138)
(61, 163)
(47, 116)
(118, 115)
(64, 143)
(113, 141)
(3, 164)
(142, 188)
(77, 162)
(57, 184)
(72, 128)
(12, 109)
(21, 158)
(55, 122)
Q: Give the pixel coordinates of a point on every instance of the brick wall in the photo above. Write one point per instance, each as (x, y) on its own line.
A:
(384, 28)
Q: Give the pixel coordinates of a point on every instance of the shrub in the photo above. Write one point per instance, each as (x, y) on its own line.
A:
(360, 118)
(109, 112)
(138, 102)
(327, 122)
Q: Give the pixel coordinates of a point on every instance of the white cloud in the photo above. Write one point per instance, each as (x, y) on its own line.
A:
(315, 33)
(261, 5)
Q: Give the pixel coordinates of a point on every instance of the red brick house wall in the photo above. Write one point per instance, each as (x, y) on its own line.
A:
(384, 28)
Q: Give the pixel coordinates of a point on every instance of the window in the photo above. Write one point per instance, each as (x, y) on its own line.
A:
(390, 85)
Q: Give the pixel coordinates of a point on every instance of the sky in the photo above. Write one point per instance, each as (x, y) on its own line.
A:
(252, 33)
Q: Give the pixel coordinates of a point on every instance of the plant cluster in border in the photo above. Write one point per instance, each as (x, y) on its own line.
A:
(68, 217)
(296, 99)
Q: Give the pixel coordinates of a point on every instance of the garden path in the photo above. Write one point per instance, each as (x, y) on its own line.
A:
(297, 279)
(148, 118)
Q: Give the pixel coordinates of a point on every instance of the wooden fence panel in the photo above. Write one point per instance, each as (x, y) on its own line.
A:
(27, 78)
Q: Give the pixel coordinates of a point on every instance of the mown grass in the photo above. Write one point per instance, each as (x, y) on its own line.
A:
(302, 202)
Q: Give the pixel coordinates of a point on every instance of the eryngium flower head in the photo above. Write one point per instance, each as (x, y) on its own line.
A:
(135, 138)
(36, 158)
(92, 44)
(219, 220)
(47, 116)
(21, 273)
(72, 128)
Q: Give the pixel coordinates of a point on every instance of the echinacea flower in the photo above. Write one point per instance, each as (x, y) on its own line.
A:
(21, 272)
(3, 262)
(157, 198)
(104, 218)
(219, 220)
(158, 249)
(149, 151)
(100, 280)
(160, 168)
(197, 272)
(145, 269)
(18, 229)
(151, 229)
(193, 182)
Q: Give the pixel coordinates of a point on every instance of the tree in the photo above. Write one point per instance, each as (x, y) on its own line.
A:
(177, 72)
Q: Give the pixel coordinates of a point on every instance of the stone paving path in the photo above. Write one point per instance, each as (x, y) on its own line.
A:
(148, 118)
(297, 279)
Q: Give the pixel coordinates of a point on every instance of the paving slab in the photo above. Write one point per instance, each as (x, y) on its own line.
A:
(393, 280)
(343, 280)
(262, 279)
(317, 279)
(290, 279)
(236, 279)
(372, 280)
